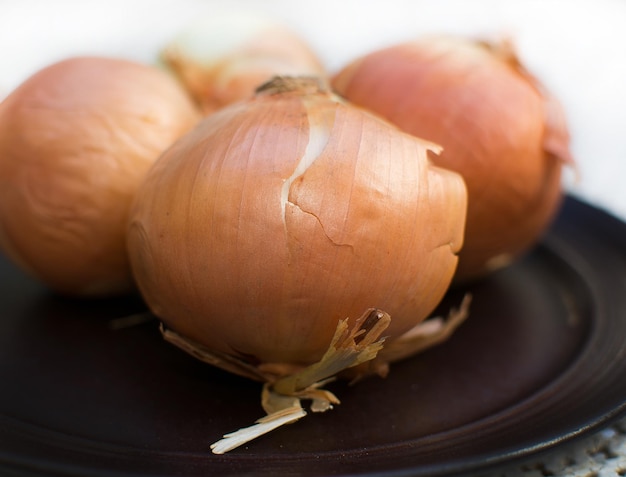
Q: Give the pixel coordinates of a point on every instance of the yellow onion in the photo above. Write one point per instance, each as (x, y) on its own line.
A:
(225, 57)
(498, 126)
(276, 217)
(76, 138)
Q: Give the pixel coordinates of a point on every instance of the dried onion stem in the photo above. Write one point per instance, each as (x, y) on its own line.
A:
(359, 349)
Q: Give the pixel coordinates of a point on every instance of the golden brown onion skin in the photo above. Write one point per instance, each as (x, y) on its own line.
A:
(277, 217)
(498, 127)
(76, 139)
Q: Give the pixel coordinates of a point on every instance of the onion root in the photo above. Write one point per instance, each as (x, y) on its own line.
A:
(354, 352)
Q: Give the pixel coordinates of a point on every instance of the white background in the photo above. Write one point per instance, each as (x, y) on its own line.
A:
(576, 47)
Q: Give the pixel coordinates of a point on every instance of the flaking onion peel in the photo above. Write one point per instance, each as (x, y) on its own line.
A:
(258, 237)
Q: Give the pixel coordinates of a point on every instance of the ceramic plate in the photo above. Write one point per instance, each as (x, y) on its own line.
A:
(540, 361)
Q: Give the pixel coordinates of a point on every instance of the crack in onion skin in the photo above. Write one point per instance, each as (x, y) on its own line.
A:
(223, 261)
(76, 139)
(498, 126)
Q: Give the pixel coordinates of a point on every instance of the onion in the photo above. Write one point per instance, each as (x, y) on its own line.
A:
(225, 57)
(498, 126)
(75, 140)
(277, 217)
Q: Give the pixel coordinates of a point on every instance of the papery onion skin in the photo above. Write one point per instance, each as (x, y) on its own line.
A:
(223, 58)
(277, 217)
(76, 138)
(499, 127)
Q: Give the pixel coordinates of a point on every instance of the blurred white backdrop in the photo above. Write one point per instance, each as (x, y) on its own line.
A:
(576, 47)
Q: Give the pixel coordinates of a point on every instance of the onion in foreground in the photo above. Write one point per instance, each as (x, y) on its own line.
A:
(277, 217)
(76, 139)
(498, 126)
(257, 234)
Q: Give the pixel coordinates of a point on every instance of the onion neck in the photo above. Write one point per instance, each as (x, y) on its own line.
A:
(303, 85)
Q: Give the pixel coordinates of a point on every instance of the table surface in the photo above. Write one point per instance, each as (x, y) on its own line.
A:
(576, 47)
(601, 455)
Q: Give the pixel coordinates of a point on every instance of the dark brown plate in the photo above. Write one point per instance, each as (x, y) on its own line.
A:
(540, 361)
